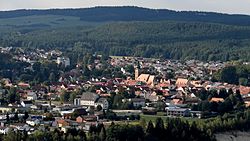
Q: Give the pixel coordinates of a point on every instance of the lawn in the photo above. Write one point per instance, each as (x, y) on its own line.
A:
(147, 118)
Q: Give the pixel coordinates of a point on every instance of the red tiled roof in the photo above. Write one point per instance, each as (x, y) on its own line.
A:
(214, 99)
(244, 90)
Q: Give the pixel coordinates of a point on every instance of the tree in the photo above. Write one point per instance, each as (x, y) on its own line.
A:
(82, 134)
(12, 95)
(159, 125)
(117, 101)
(16, 116)
(70, 138)
(150, 127)
(99, 108)
(64, 97)
(12, 136)
(223, 93)
(26, 115)
(159, 128)
(7, 117)
(102, 134)
(243, 81)
(202, 94)
(72, 96)
(52, 77)
(229, 75)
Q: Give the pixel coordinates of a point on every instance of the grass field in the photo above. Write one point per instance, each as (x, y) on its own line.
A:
(147, 118)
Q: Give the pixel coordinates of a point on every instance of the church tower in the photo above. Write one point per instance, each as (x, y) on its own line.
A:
(136, 73)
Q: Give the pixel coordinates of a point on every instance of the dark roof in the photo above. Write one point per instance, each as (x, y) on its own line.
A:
(89, 96)
(27, 102)
(81, 111)
(138, 99)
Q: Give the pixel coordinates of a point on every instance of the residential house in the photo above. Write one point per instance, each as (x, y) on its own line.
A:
(23, 85)
(93, 99)
(181, 82)
(5, 109)
(33, 122)
(89, 118)
(214, 99)
(89, 99)
(26, 103)
(138, 102)
(4, 130)
(21, 126)
(31, 95)
(65, 61)
(245, 91)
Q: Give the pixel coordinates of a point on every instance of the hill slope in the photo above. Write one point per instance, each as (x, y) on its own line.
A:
(126, 13)
(166, 39)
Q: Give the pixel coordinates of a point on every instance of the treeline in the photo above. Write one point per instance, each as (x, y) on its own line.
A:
(230, 101)
(170, 129)
(45, 72)
(228, 122)
(234, 74)
(171, 40)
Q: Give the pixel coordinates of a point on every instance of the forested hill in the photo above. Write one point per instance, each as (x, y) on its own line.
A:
(165, 39)
(126, 13)
(130, 31)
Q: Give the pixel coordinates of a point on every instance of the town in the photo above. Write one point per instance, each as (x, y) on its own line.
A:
(48, 90)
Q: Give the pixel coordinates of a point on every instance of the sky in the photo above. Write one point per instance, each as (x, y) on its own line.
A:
(222, 6)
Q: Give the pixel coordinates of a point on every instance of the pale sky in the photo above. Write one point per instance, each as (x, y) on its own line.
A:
(224, 6)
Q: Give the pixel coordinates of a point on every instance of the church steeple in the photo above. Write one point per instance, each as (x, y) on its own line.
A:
(136, 73)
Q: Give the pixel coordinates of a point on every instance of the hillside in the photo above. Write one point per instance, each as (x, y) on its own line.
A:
(165, 39)
(126, 13)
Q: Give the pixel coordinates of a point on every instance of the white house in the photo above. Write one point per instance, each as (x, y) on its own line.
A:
(63, 60)
(89, 99)
(26, 103)
(33, 122)
(4, 130)
(92, 99)
(31, 95)
(137, 102)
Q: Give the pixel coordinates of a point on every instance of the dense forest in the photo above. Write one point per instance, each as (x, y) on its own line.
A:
(130, 31)
(130, 13)
(162, 39)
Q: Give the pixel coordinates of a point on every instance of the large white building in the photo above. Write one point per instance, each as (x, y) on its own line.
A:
(89, 99)
(63, 60)
(92, 99)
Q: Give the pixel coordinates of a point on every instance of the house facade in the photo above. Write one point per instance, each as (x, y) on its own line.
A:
(88, 99)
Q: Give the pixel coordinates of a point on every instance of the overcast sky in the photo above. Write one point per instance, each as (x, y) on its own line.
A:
(224, 6)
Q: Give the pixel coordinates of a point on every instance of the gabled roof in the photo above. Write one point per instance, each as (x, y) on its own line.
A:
(244, 90)
(27, 102)
(214, 99)
(181, 82)
(89, 96)
(143, 77)
(101, 100)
